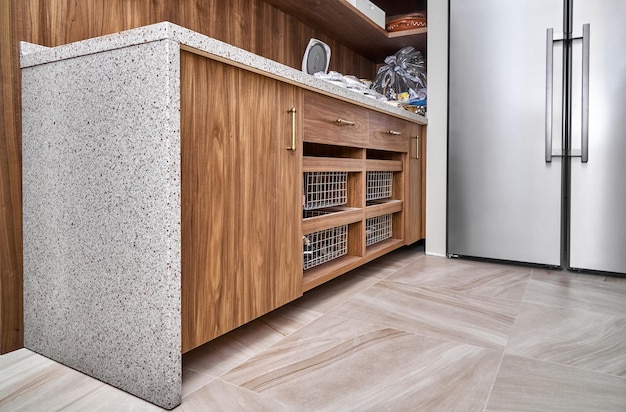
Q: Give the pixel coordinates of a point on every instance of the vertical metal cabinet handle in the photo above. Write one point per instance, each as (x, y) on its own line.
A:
(293, 129)
(584, 138)
(549, 68)
(417, 147)
(344, 122)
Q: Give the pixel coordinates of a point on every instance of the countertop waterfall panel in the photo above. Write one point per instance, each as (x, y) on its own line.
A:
(101, 204)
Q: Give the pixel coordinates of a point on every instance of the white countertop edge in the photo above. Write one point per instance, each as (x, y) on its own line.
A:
(32, 55)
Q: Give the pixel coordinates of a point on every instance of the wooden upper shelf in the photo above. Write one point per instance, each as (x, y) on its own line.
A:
(346, 24)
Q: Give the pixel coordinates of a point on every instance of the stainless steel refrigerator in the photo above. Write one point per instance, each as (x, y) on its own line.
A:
(537, 132)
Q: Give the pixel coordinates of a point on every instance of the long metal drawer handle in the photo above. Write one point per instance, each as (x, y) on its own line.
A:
(549, 68)
(393, 132)
(344, 122)
(293, 129)
(584, 138)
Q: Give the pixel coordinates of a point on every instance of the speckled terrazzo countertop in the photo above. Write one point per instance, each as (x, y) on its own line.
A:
(34, 55)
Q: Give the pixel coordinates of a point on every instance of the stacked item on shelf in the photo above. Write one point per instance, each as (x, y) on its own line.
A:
(403, 78)
(406, 22)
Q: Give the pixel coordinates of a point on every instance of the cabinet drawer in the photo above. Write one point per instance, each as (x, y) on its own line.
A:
(331, 121)
(389, 133)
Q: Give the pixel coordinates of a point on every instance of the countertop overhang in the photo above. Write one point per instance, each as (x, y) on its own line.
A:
(32, 55)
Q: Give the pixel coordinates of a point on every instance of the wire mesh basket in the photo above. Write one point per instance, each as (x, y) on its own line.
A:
(378, 185)
(324, 189)
(324, 246)
(378, 229)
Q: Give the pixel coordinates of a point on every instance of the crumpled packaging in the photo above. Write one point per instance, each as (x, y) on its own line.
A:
(403, 77)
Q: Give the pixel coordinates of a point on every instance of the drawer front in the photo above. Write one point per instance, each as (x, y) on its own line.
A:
(331, 121)
(389, 133)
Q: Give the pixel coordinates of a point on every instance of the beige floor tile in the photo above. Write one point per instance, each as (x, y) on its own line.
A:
(588, 340)
(407, 332)
(194, 380)
(466, 277)
(106, 399)
(35, 383)
(335, 364)
(531, 385)
(20, 366)
(224, 353)
(476, 320)
(219, 396)
(329, 295)
(577, 291)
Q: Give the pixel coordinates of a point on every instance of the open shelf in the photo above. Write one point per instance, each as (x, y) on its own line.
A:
(383, 207)
(383, 165)
(323, 273)
(337, 216)
(383, 248)
(331, 164)
(348, 25)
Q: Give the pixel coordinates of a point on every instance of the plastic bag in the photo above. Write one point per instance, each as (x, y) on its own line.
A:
(403, 77)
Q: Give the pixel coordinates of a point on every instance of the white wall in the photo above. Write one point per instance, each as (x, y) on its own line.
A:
(436, 154)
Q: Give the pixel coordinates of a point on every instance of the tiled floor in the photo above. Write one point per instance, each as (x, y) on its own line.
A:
(408, 332)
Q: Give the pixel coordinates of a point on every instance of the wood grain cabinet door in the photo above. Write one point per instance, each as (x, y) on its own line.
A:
(389, 133)
(415, 184)
(241, 197)
(331, 121)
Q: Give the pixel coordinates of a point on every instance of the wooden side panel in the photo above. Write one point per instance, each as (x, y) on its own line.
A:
(422, 155)
(240, 198)
(414, 189)
(11, 309)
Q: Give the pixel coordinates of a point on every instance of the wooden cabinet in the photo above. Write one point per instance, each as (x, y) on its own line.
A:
(241, 254)
(246, 142)
(373, 160)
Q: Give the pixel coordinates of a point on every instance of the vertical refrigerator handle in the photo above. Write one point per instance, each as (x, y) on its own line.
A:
(549, 93)
(584, 138)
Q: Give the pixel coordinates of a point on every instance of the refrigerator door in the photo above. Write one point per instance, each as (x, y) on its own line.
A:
(598, 192)
(504, 199)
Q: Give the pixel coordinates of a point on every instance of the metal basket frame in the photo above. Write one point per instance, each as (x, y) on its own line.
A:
(324, 189)
(324, 246)
(379, 185)
(378, 228)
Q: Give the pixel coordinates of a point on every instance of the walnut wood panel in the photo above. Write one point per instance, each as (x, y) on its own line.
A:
(339, 217)
(331, 164)
(383, 165)
(389, 133)
(330, 121)
(11, 309)
(356, 190)
(422, 130)
(240, 191)
(414, 187)
(383, 208)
